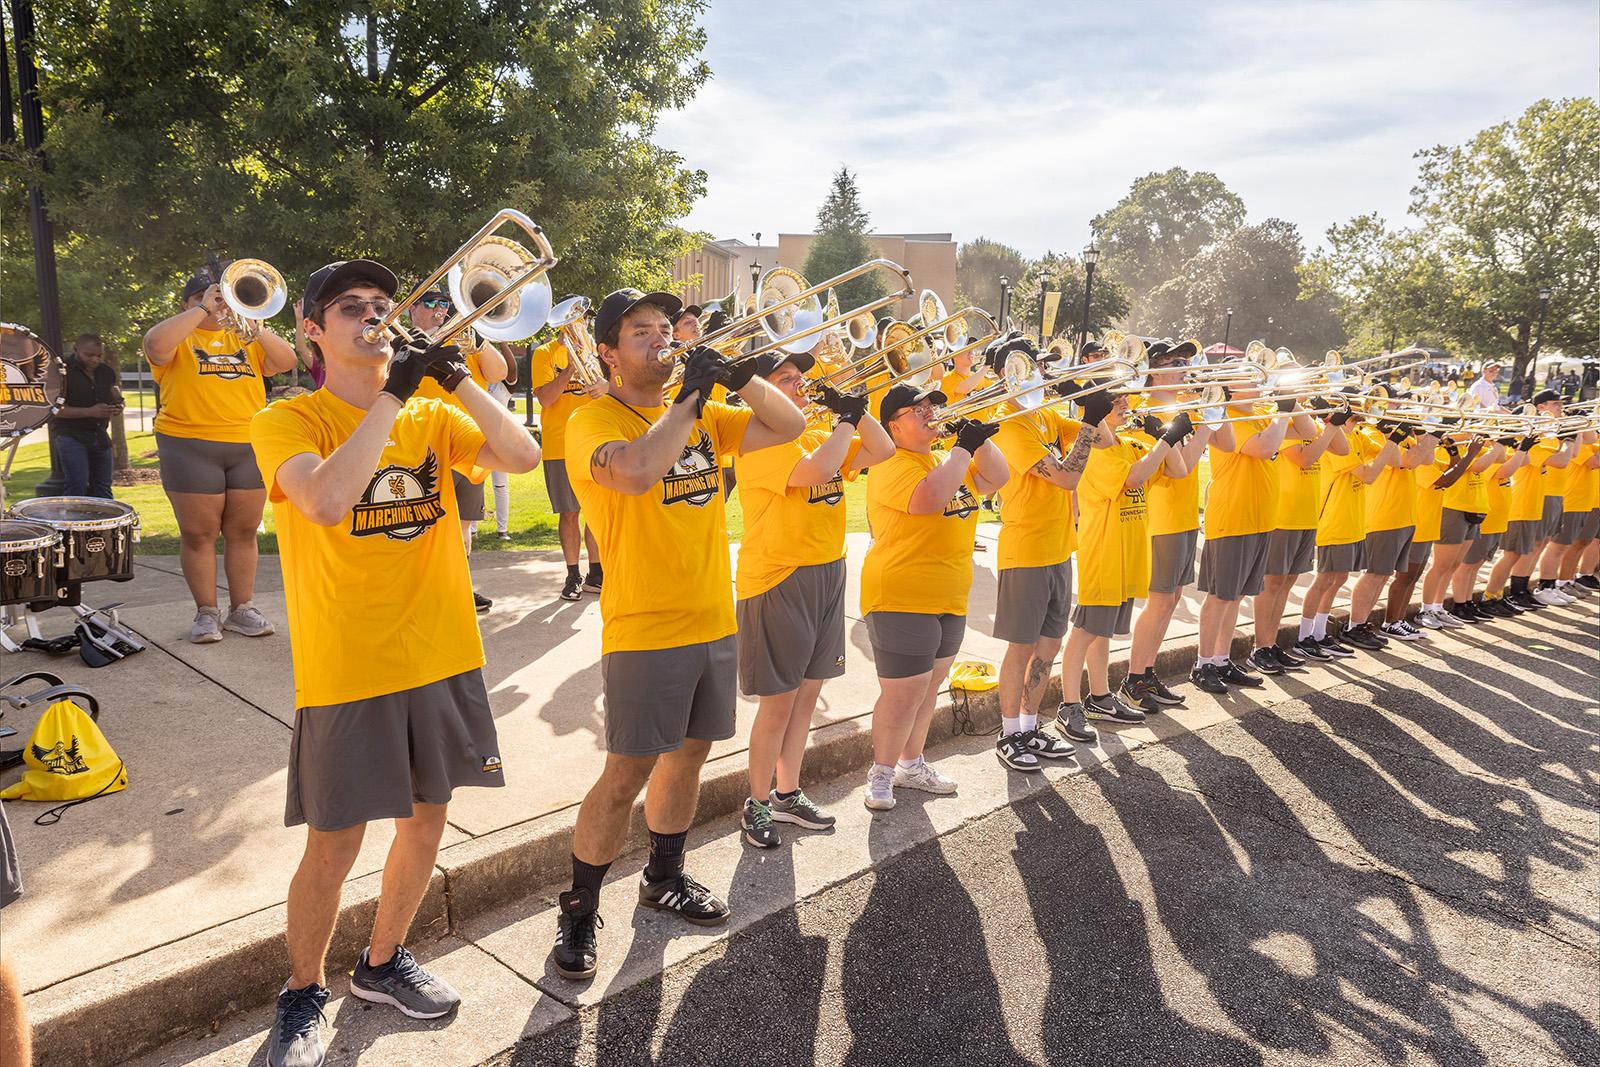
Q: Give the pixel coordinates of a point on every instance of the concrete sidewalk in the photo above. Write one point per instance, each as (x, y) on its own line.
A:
(181, 878)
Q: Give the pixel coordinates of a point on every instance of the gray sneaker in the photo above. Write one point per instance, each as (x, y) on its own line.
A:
(799, 810)
(246, 619)
(403, 983)
(207, 626)
(296, 1039)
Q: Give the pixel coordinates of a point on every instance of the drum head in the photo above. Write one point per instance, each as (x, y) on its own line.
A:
(16, 535)
(31, 377)
(64, 512)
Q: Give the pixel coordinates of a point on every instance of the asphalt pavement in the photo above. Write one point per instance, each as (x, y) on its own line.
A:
(1399, 868)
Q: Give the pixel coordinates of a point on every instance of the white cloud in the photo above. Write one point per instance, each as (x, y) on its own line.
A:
(1021, 121)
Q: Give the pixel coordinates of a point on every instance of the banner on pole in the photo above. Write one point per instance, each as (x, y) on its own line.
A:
(1052, 301)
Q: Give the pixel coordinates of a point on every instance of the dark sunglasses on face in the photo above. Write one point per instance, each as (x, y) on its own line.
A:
(434, 303)
(356, 307)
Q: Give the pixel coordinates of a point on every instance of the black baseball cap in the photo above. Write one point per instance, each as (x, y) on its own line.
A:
(766, 364)
(194, 287)
(619, 303)
(1167, 348)
(692, 309)
(1546, 396)
(1091, 348)
(903, 396)
(329, 281)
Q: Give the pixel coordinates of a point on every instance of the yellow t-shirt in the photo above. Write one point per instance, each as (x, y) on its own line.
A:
(380, 601)
(1173, 503)
(1499, 513)
(547, 361)
(1243, 495)
(1430, 501)
(1553, 480)
(919, 563)
(1342, 513)
(787, 526)
(1392, 499)
(1299, 488)
(1470, 493)
(1527, 491)
(1036, 525)
(668, 581)
(947, 386)
(431, 389)
(1583, 482)
(212, 388)
(1113, 524)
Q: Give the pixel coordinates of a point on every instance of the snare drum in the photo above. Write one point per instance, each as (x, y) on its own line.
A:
(28, 553)
(97, 535)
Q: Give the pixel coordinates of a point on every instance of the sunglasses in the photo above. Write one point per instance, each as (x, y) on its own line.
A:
(356, 307)
(434, 303)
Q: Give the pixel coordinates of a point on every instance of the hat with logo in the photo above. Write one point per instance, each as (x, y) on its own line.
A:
(905, 395)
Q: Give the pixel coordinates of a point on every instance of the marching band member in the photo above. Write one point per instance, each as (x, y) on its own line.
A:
(1462, 605)
(487, 365)
(1465, 504)
(1554, 484)
(648, 475)
(1391, 522)
(1523, 540)
(1490, 532)
(1342, 530)
(559, 394)
(1291, 547)
(1434, 479)
(1580, 522)
(1113, 549)
(1174, 507)
(392, 711)
(790, 586)
(922, 507)
(1045, 453)
(212, 384)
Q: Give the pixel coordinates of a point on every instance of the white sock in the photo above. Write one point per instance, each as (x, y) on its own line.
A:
(1028, 722)
(910, 764)
(1319, 627)
(1009, 725)
(1306, 627)
(1433, 607)
(882, 767)
(1219, 661)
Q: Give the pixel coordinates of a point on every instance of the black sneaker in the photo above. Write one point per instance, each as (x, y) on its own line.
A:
(1589, 581)
(296, 1039)
(575, 951)
(1205, 677)
(403, 983)
(1014, 751)
(1465, 613)
(1523, 600)
(480, 602)
(1231, 673)
(591, 582)
(1334, 649)
(1110, 707)
(1136, 691)
(1311, 650)
(757, 824)
(685, 896)
(1477, 608)
(1362, 637)
(1500, 609)
(572, 588)
(799, 810)
(1263, 660)
(1159, 692)
(1287, 660)
(1046, 746)
(1070, 721)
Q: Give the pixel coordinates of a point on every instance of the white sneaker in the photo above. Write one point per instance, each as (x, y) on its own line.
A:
(1448, 621)
(1429, 620)
(1550, 598)
(207, 626)
(1566, 597)
(246, 619)
(923, 777)
(880, 789)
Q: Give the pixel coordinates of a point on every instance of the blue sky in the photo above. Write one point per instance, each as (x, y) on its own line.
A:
(1021, 121)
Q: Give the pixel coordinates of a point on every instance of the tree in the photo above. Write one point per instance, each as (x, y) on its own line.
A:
(1388, 287)
(1165, 220)
(841, 243)
(1108, 300)
(303, 133)
(979, 266)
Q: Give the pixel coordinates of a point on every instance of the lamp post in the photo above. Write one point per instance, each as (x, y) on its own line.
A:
(1538, 334)
(1005, 301)
(1091, 256)
(1227, 328)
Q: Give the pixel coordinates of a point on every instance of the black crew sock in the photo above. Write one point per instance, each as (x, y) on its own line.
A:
(1547, 583)
(588, 876)
(595, 572)
(666, 856)
(781, 795)
(1519, 584)
(572, 570)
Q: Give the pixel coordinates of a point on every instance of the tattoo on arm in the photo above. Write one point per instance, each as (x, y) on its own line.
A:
(601, 460)
(1078, 458)
(1047, 466)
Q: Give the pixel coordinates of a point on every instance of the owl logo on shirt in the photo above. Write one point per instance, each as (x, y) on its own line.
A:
(695, 478)
(962, 504)
(401, 503)
(223, 364)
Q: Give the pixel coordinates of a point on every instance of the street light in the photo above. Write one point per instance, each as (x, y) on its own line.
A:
(1005, 299)
(1538, 334)
(1227, 328)
(1091, 256)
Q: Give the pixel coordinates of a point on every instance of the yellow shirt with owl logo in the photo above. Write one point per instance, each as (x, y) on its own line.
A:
(212, 388)
(787, 526)
(380, 601)
(917, 563)
(666, 550)
(1113, 527)
(547, 361)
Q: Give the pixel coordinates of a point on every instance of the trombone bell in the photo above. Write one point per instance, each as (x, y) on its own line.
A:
(483, 273)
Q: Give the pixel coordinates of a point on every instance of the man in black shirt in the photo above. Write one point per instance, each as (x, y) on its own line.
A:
(83, 445)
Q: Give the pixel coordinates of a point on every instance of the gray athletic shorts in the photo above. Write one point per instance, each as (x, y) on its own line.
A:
(1332, 559)
(1572, 527)
(658, 697)
(1483, 549)
(906, 643)
(10, 873)
(1421, 551)
(1232, 567)
(1454, 527)
(1172, 560)
(469, 497)
(1591, 525)
(1291, 552)
(793, 631)
(189, 465)
(1550, 517)
(1033, 602)
(1104, 620)
(563, 501)
(372, 759)
(1389, 551)
(1521, 537)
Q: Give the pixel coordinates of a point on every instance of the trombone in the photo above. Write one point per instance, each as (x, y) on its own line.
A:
(570, 319)
(1023, 378)
(484, 275)
(901, 344)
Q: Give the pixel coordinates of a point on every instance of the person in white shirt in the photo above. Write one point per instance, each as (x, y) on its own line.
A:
(1485, 393)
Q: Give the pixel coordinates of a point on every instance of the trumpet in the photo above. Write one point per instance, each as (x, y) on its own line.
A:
(253, 291)
(570, 319)
(500, 287)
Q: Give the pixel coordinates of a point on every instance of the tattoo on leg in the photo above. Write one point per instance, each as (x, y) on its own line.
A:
(1033, 685)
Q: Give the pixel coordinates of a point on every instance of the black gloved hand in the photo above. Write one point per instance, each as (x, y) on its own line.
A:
(1527, 442)
(971, 434)
(1339, 417)
(1096, 406)
(735, 374)
(700, 370)
(1151, 426)
(1399, 435)
(1505, 442)
(1285, 404)
(447, 367)
(1450, 449)
(1066, 387)
(1319, 405)
(848, 408)
(410, 364)
(1178, 429)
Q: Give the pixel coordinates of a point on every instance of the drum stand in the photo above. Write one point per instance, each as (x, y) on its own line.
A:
(104, 628)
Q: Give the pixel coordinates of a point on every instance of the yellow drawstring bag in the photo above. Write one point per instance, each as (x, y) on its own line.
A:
(973, 675)
(68, 758)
